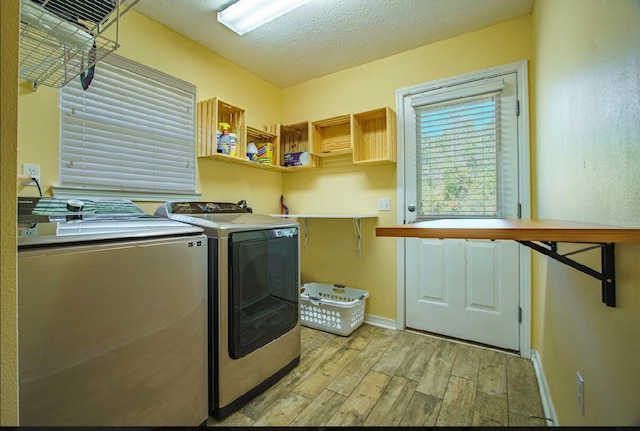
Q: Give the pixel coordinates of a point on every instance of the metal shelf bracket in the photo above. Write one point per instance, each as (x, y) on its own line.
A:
(356, 225)
(305, 224)
(607, 276)
(358, 228)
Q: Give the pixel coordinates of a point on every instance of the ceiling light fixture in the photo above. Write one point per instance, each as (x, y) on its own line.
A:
(246, 15)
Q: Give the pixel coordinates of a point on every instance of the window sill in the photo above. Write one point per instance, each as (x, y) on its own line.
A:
(141, 196)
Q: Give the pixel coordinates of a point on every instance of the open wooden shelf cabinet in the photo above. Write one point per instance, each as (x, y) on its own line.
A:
(369, 136)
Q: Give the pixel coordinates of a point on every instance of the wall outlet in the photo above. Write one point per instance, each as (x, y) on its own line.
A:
(580, 392)
(384, 204)
(28, 231)
(32, 171)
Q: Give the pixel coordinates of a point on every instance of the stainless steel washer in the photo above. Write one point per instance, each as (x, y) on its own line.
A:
(112, 316)
(254, 280)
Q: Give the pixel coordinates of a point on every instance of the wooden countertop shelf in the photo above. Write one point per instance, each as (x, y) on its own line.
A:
(514, 229)
(540, 235)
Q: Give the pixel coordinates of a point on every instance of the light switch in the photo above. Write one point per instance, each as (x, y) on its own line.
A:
(384, 204)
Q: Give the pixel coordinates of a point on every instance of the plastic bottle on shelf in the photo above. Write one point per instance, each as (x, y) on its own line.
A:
(224, 141)
(252, 151)
(232, 144)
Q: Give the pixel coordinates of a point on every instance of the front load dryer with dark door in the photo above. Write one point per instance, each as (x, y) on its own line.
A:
(254, 279)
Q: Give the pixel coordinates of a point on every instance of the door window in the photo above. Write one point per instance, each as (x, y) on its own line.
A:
(457, 149)
(466, 156)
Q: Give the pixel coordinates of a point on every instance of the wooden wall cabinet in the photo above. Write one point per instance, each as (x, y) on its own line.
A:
(331, 137)
(209, 114)
(369, 136)
(374, 137)
(260, 137)
(295, 138)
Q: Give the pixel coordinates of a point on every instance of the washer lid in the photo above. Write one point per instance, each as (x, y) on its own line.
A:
(49, 221)
(216, 217)
(202, 208)
(48, 206)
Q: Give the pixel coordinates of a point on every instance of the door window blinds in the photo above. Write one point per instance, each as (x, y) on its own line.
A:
(132, 131)
(458, 147)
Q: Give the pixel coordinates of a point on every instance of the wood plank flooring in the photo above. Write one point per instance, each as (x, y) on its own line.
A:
(382, 377)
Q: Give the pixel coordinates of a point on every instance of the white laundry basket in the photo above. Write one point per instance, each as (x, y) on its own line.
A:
(332, 308)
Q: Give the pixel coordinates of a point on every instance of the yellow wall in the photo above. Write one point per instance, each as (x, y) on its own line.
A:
(345, 188)
(9, 13)
(338, 188)
(587, 77)
(584, 62)
(154, 45)
(151, 44)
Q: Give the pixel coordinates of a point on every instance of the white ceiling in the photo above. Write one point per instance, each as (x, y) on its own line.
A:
(325, 36)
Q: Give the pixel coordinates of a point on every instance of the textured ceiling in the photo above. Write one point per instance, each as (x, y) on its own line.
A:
(325, 36)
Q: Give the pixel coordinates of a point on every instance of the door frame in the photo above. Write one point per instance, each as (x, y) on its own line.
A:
(524, 189)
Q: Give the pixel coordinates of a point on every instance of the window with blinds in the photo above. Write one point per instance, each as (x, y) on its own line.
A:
(131, 134)
(458, 147)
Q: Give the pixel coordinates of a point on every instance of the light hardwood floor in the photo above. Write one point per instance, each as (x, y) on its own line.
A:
(382, 377)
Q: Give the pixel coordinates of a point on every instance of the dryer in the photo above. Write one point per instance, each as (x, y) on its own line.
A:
(253, 284)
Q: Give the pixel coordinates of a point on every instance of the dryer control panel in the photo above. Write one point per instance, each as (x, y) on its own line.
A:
(207, 207)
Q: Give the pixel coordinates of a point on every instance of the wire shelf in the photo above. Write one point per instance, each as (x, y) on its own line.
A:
(60, 39)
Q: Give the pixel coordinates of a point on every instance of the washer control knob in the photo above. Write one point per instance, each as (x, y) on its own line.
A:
(75, 205)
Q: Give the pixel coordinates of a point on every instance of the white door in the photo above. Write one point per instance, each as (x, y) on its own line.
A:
(461, 160)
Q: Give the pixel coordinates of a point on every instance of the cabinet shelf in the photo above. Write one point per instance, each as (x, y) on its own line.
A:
(262, 138)
(294, 138)
(296, 168)
(331, 137)
(212, 112)
(335, 153)
(374, 137)
(369, 137)
(236, 160)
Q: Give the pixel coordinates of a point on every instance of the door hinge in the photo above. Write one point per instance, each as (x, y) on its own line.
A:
(519, 210)
(517, 108)
(519, 314)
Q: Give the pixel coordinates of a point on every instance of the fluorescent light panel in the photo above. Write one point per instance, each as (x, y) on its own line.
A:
(246, 15)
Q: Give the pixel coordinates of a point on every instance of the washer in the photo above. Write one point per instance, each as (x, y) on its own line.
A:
(254, 313)
(112, 316)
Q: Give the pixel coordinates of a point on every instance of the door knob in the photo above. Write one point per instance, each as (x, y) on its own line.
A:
(411, 208)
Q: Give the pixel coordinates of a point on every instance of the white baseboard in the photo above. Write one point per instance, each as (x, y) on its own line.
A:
(382, 322)
(545, 396)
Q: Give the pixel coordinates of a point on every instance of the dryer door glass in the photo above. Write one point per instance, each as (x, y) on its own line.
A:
(263, 287)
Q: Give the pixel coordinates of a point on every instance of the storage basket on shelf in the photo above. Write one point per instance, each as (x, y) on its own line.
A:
(332, 308)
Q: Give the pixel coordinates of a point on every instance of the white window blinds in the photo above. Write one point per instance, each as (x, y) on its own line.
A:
(458, 149)
(132, 131)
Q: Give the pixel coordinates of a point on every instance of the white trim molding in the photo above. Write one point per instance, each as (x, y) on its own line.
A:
(150, 196)
(547, 403)
(381, 322)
